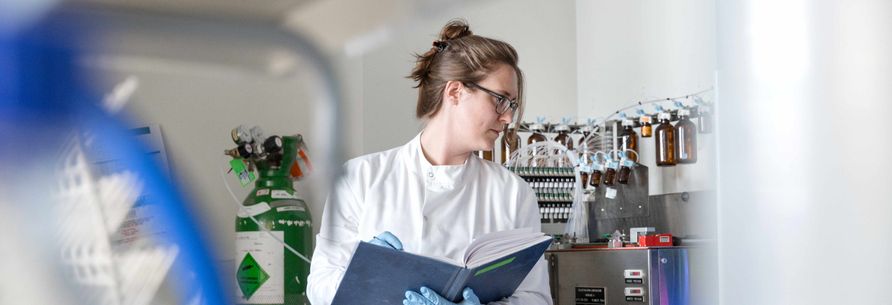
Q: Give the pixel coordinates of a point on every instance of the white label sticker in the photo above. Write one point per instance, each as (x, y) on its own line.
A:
(610, 193)
(262, 192)
(269, 256)
(141, 222)
(290, 208)
(253, 210)
(281, 194)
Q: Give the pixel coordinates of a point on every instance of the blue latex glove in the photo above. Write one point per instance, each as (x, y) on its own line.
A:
(429, 297)
(387, 239)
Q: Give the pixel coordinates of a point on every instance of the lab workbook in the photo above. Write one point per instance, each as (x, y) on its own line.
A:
(494, 265)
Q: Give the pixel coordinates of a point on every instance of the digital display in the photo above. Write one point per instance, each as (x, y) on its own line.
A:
(591, 295)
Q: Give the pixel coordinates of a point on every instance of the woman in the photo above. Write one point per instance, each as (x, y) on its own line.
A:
(433, 193)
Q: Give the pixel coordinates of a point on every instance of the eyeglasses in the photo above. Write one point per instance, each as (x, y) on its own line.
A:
(502, 102)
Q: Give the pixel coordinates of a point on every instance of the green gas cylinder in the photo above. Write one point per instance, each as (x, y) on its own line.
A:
(268, 271)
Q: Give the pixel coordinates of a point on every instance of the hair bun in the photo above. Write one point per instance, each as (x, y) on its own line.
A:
(455, 29)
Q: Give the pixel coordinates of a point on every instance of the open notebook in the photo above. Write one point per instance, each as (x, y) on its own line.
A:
(494, 265)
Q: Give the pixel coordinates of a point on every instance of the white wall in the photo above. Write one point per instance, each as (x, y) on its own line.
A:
(195, 122)
(637, 50)
(629, 51)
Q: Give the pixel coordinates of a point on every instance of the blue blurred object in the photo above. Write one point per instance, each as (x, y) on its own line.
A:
(45, 101)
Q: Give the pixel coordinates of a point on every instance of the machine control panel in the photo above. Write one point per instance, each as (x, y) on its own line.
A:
(598, 276)
(634, 276)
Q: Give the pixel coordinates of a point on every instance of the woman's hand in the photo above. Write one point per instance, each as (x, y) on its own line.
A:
(429, 297)
(387, 239)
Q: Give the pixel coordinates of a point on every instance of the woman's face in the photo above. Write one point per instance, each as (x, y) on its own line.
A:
(478, 123)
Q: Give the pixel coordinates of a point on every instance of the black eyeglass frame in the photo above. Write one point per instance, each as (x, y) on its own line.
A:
(501, 100)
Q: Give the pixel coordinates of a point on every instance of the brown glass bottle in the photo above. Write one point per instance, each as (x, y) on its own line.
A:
(686, 133)
(625, 171)
(583, 179)
(665, 141)
(595, 178)
(563, 136)
(510, 143)
(484, 154)
(537, 135)
(585, 158)
(610, 173)
(629, 140)
(646, 129)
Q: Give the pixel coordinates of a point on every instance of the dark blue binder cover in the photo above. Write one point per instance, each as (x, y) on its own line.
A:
(379, 275)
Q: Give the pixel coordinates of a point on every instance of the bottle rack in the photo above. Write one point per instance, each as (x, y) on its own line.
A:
(609, 120)
(604, 135)
(554, 187)
(607, 125)
(543, 171)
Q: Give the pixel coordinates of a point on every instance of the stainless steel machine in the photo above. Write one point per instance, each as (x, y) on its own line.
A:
(653, 276)
(682, 274)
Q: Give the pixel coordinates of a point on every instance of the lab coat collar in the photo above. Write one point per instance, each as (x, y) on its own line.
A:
(437, 177)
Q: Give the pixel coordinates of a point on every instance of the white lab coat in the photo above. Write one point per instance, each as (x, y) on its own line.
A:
(433, 210)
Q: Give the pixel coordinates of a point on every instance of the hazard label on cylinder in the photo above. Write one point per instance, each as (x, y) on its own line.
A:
(260, 267)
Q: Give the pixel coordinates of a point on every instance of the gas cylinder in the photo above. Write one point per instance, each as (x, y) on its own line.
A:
(268, 271)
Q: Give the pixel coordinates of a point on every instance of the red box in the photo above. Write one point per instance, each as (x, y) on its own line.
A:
(655, 240)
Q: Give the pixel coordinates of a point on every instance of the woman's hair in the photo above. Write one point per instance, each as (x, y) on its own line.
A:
(459, 55)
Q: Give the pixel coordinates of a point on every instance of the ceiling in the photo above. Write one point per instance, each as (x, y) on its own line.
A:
(269, 10)
(343, 26)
